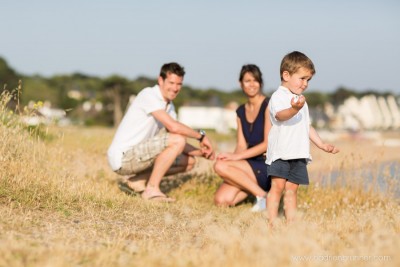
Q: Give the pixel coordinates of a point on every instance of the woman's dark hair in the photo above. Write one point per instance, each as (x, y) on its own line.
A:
(254, 70)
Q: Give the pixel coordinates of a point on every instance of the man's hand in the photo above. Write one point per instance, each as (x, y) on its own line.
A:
(206, 148)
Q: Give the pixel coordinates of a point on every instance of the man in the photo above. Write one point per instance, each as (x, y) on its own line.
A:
(150, 143)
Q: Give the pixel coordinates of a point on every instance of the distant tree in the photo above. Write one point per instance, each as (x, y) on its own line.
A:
(63, 84)
(342, 94)
(316, 99)
(10, 80)
(116, 89)
(234, 96)
(37, 88)
(8, 76)
(143, 82)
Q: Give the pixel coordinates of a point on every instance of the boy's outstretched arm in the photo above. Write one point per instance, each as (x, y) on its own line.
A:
(316, 139)
(288, 113)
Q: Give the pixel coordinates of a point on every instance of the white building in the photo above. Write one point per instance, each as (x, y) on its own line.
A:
(220, 119)
(368, 113)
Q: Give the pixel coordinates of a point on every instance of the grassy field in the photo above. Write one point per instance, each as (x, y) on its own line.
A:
(60, 206)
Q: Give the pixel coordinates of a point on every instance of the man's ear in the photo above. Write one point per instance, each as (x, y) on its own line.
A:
(285, 75)
(160, 80)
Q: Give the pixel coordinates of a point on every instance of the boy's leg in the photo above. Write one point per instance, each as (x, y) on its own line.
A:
(290, 201)
(274, 197)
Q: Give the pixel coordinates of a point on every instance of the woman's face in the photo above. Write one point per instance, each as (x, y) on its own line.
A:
(250, 85)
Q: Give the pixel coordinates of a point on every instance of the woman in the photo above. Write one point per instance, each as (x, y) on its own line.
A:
(244, 171)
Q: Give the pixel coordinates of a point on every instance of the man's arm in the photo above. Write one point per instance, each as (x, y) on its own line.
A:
(176, 127)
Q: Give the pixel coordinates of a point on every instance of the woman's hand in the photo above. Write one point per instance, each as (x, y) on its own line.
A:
(227, 156)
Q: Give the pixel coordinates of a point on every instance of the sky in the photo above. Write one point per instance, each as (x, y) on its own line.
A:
(353, 43)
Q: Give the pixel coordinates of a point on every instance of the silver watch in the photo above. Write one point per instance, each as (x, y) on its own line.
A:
(203, 134)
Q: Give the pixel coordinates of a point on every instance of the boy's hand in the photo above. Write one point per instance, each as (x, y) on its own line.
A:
(330, 148)
(298, 102)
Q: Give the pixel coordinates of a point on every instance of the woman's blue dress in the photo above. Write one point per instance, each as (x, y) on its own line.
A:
(254, 134)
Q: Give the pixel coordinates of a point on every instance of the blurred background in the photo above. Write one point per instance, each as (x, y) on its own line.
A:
(84, 61)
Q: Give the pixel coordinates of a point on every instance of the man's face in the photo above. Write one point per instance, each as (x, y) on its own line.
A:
(171, 86)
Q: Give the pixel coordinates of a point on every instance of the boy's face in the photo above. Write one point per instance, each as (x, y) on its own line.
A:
(298, 81)
(171, 86)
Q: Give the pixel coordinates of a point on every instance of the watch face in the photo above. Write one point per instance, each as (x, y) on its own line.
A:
(202, 132)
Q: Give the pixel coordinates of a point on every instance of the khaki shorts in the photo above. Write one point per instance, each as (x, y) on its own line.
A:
(142, 156)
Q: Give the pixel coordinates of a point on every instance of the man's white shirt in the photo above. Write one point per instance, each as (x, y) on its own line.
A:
(138, 124)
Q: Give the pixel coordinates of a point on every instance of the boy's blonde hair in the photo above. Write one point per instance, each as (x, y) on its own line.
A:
(295, 60)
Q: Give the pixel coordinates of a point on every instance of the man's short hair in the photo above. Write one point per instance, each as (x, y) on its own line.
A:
(173, 68)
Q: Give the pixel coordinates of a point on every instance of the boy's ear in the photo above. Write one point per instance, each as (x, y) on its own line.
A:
(285, 75)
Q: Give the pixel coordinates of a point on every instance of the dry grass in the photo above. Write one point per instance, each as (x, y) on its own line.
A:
(60, 206)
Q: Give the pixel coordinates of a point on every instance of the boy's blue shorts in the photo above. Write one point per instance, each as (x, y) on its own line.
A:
(293, 170)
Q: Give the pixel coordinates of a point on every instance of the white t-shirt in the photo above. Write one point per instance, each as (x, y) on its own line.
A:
(138, 124)
(288, 139)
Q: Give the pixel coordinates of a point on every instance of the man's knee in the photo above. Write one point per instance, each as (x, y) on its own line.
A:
(177, 140)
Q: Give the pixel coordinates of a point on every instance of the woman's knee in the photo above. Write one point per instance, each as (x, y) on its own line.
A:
(220, 167)
(222, 201)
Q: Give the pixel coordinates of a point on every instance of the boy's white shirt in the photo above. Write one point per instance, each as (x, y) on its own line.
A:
(138, 124)
(288, 139)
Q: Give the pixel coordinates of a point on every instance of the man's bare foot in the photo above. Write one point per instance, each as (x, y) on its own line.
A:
(155, 195)
(133, 184)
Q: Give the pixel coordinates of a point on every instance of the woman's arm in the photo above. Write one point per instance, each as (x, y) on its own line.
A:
(261, 147)
(242, 152)
(241, 144)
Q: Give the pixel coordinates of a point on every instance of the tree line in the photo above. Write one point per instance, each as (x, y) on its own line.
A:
(114, 92)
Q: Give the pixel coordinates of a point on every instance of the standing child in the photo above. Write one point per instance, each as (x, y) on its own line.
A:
(288, 142)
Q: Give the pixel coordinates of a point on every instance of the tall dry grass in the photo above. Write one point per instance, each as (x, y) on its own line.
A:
(60, 206)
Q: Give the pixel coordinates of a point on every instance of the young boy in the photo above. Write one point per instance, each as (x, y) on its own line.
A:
(288, 142)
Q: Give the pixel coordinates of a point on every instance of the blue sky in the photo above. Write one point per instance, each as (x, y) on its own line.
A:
(352, 43)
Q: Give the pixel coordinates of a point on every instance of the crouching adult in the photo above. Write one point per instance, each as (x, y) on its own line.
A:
(150, 143)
